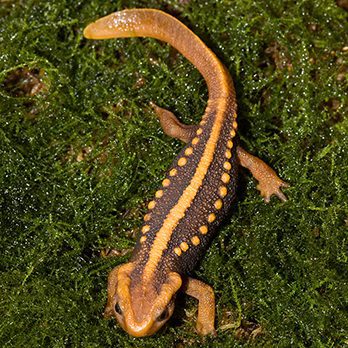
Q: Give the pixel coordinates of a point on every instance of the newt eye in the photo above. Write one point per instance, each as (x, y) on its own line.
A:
(118, 308)
(164, 315)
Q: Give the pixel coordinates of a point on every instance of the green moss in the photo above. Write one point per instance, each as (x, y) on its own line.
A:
(82, 153)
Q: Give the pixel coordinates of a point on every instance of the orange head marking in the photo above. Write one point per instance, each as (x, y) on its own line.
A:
(138, 306)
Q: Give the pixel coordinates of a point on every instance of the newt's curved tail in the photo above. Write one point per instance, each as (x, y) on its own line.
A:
(159, 25)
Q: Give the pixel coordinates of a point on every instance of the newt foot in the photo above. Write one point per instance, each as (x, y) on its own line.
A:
(267, 189)
(204, 329)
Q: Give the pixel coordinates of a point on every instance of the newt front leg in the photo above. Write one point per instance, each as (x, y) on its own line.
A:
(206, 305)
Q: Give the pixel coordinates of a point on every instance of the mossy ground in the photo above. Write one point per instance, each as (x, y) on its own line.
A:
(81, 153)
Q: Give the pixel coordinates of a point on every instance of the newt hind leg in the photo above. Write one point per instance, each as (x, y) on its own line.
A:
(172, 126)
(269, 182)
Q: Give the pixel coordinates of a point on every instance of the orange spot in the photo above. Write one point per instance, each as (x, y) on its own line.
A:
(145, 229)
(227, 165)
(203, 229)
(195, 141)
(225, 178)
(199, 131)
(142, 239)
(166, 182)
(177, 251)
(235, 125)
(182, 161)
(218, 204)
(159, 194)
(223, 191)
(151, 205)
(147, 217)
(230, 144)
(228, 154)
(173, 172)
(211, 217)
(233, 133)
(189, 151)
(195, 240)
(184, 246)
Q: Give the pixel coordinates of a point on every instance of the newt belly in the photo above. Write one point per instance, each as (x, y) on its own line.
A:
(196, 194)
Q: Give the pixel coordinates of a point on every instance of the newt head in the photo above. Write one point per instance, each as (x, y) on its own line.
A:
(138, 306)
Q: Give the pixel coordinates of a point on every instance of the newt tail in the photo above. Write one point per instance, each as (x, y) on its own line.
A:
(196, 194)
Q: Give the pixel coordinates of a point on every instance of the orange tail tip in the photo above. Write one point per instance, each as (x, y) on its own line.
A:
(126, 23)
(103, 28)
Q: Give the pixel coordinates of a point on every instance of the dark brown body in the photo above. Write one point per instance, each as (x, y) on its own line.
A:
(201, 206)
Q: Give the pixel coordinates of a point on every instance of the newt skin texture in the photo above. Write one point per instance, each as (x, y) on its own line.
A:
(196, 194)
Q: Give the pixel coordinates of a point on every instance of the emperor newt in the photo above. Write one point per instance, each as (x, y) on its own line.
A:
(196, 194)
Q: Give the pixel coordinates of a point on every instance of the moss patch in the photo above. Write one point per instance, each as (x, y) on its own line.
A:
(81, 153)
